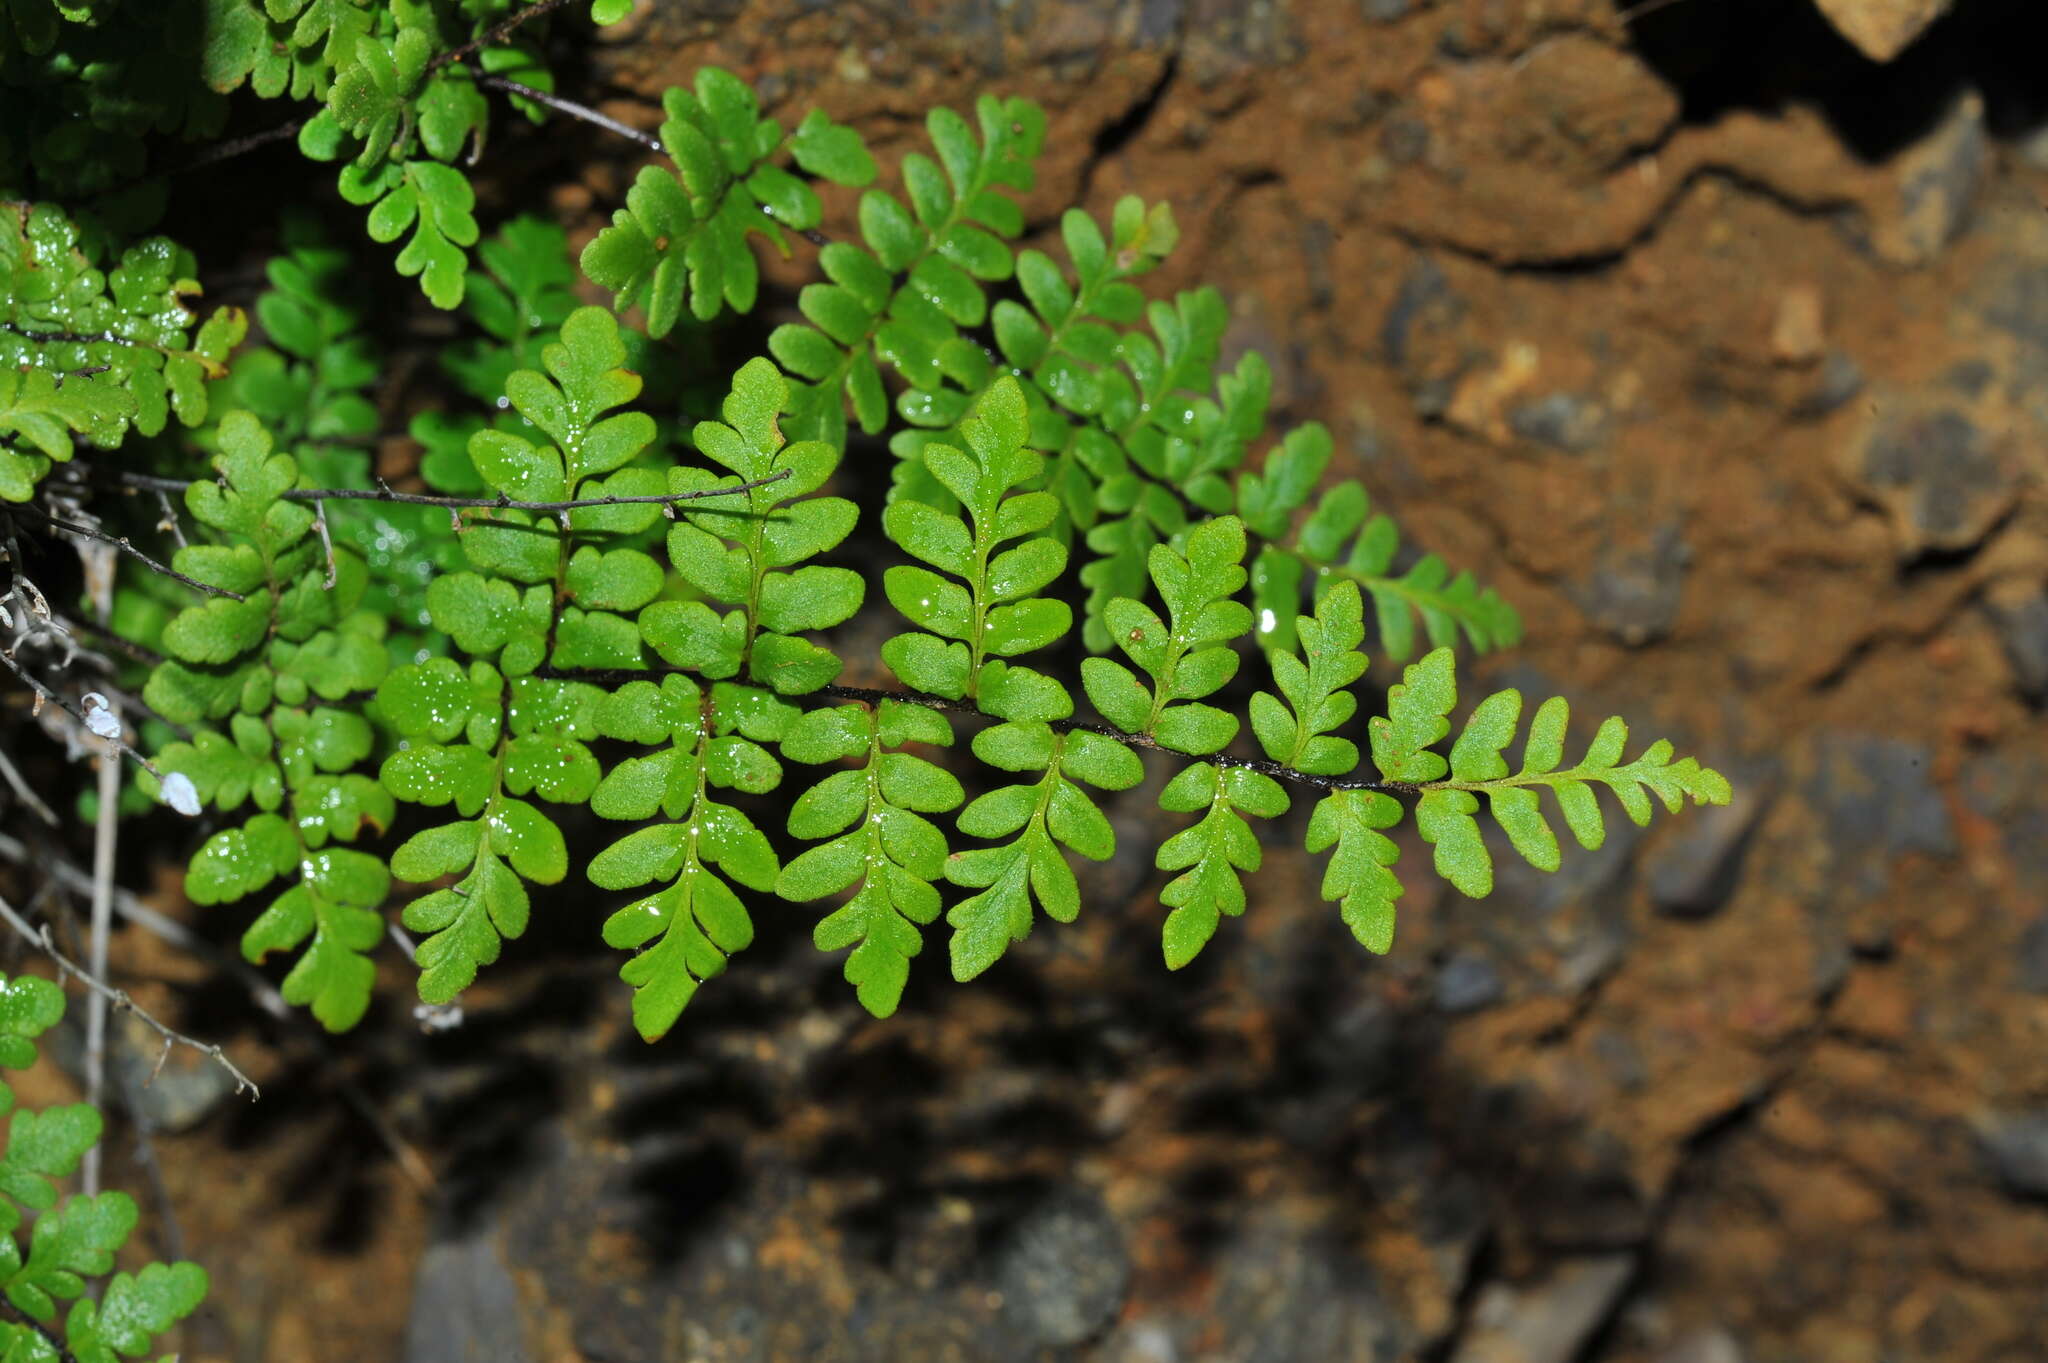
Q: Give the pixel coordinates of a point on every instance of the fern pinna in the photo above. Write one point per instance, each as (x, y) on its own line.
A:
(639, 622)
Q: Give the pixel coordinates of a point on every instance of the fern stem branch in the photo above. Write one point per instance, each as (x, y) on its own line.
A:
(572, 109)
(121, 542)
(227, 151)
(119, 999)
(496, 34)
(151, 482)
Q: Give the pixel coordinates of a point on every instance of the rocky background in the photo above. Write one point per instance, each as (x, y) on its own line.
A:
(1714, 333)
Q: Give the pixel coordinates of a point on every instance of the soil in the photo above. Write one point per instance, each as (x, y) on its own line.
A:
(1722, 352)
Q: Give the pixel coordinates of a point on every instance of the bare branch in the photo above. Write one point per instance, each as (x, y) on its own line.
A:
(225, 151)
(105, 830)
(261, 991)
(497, 34)
(573, 109)
(121, 542)
(119, 998)
(24, 792)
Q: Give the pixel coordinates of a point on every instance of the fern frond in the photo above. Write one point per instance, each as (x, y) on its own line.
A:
(1215, 853)
(488, 736)
(743, 550)
(1445, 604)
(684, 930)
(1188, 658)
(993, 612)
(681, 240)
(903, 297)
(256, 663)
(881, 844)
(1444, 815)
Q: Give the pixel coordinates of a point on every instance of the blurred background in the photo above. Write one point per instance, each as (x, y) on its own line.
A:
(1712, 333)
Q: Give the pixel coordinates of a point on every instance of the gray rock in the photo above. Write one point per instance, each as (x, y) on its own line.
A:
(2030, 965)
(2015, 300)
(2021, 619)
(1634, 593)
(1546, 1322)
(1839, 379)
(1159, 21)
(1570, 422)
(2016, 1144)
(1385, 11)
(1424, 301)
(1405, 139)
(1709, 1344)
(1063, 1271)
(1467, 983)
(1285, 1295)
(1970, 377)
(1941, 177)
(1939, 476)
(1878, 800)
(1691, 873)
(465, 1306)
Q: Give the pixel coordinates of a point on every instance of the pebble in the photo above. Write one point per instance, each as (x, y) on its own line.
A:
(1467, 983)
(1798, 332)
(1938, 475)
(2016, 1144)
(1547, 1322)
(1570, 422)
(1840, 379)
(1710, 1344)
(2020, 615)
(464, 1306)
(1424, 300)
(1634, 592)
(1882, 29)
(1063, 1271)
(1691, 873)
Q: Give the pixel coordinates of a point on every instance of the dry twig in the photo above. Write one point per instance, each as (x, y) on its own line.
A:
(119, 998)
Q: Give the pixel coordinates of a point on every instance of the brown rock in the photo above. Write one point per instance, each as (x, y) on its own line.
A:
(1881, 29)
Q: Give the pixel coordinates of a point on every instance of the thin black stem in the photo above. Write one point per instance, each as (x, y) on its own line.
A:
(573, 109)
(496, 34)
(50, 1337)
(227, 151)
(121, 542)
(385, 494)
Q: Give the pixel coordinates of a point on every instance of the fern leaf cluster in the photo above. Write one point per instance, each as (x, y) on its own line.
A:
(93, 353)
(1087, 557)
